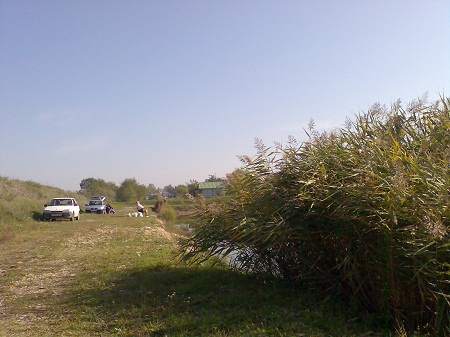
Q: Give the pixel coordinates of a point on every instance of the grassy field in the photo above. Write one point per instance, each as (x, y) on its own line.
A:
(109, 275)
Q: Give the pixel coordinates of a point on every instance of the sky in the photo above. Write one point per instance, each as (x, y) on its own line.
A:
(172, 91)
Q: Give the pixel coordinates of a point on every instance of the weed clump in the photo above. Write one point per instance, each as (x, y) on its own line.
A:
(168, 214)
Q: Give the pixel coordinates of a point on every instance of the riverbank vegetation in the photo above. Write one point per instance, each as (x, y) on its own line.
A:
(360, 215)
(112, 275)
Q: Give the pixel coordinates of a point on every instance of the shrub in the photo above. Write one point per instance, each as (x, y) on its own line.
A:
(360, 212)
(168, 214)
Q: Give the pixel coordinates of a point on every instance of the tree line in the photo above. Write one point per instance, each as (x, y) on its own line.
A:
(130, 189)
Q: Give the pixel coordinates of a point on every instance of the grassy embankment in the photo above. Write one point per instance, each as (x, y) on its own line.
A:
(108, 275)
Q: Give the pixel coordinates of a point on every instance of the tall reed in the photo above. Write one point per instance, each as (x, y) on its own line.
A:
(361, 212)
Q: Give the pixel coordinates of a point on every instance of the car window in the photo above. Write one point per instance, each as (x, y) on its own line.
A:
(61, 202)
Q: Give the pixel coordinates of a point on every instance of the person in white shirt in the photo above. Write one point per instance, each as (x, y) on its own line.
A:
(141, 208)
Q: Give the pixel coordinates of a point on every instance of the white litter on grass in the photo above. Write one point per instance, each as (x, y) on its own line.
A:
(134, 215)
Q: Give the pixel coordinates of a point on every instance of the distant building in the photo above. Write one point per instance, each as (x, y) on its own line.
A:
(211, 189)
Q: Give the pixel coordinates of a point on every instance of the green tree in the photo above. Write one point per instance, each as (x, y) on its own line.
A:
(213, 178)
(152, 191)
(130, 190)
(92, 186)
(169, 190)
(192, 187)
(181, 191)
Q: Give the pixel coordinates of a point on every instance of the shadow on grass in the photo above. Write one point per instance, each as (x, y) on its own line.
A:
(170, 301)
(37, 216)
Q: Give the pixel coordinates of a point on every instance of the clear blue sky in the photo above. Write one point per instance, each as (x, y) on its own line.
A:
(169, 91)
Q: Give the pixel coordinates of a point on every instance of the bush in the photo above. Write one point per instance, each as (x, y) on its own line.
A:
(168, 214)
(361, 213)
